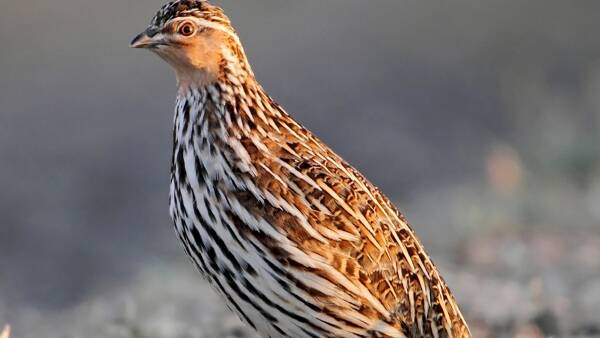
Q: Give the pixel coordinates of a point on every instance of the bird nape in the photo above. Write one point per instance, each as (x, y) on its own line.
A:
(296, 241)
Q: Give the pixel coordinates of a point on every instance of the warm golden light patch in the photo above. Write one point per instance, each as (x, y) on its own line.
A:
(504, 169)
(6, 332)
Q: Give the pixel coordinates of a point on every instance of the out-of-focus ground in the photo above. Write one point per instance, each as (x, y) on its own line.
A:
(481, 119)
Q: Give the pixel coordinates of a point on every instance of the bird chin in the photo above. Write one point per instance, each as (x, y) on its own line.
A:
(156, 46)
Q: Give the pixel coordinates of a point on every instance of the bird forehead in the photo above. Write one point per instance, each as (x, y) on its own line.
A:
(183, 8)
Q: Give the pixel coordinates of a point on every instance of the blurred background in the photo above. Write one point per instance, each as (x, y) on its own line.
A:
(480, 119)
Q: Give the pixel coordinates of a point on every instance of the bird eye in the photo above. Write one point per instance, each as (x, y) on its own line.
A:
(186, 29)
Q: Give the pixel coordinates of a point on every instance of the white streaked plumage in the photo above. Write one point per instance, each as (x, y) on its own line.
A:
(297, 241)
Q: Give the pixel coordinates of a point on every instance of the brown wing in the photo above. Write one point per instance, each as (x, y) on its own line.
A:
(363, 242)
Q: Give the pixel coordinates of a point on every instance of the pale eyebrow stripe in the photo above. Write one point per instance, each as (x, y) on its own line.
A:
(210, 24)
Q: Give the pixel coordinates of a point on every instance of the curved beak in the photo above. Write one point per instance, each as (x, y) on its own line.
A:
(145, 40)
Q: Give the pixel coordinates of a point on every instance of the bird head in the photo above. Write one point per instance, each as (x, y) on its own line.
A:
(194, 37)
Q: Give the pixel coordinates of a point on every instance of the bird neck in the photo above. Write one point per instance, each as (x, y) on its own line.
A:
(234, 105)
(227, 65)
(231, 99)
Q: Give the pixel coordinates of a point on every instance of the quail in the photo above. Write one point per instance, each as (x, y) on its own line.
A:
(296, 241)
